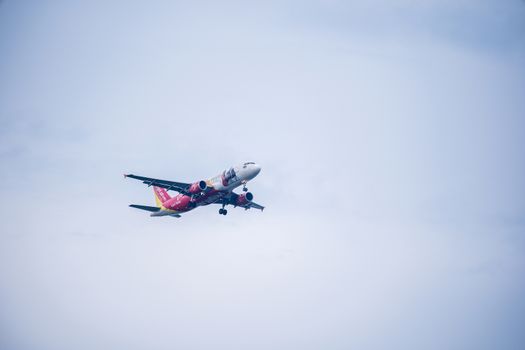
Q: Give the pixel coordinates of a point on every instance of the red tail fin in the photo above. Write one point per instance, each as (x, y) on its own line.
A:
(161, 195)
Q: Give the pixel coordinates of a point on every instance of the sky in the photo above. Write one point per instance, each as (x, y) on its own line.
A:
(390, 135)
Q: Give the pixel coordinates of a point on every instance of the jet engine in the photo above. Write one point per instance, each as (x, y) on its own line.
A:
(198, 187)
(244, 198)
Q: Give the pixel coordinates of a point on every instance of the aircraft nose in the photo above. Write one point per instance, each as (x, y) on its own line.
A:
(256, 168)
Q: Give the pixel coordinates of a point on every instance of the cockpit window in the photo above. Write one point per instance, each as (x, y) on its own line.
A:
(249, 163)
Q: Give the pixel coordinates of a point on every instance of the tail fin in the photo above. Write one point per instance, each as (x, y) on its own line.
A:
(161, 195)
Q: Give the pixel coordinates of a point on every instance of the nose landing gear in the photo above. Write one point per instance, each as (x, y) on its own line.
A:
(223, 211)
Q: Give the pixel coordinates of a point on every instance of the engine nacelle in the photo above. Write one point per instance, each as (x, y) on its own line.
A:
(198, 187)
(244, 198)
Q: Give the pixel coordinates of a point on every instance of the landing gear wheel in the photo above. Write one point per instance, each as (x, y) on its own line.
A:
(221, 211)
(245, 189)
(224, 212)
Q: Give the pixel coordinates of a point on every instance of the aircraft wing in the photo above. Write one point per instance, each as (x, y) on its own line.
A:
(231, 198)
(181, 187)
(254, 205)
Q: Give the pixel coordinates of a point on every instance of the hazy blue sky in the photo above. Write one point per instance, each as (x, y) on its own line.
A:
(391, 136)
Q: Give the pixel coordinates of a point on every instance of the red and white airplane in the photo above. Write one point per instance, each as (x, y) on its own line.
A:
(217, 190)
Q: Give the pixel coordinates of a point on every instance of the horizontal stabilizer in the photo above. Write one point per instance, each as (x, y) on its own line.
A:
(145, 207)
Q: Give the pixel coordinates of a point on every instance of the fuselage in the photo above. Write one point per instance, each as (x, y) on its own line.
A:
(216, 188)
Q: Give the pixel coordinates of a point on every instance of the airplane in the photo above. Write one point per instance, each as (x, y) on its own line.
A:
(217, 190)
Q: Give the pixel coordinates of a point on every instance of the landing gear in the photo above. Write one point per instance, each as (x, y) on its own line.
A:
(223, 211)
